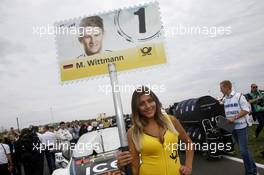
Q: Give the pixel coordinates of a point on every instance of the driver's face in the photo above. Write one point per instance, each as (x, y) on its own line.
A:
(92, 41)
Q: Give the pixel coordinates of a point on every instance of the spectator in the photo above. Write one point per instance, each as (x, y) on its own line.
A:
(49, 139)
(63, 135)
(83, 129)
(101, 125)
(35, 129)
(75, 132)
(6, 165)
(106, 123)
(30, 155)
(256, 98)
(70, 128)
(12, 135)
(51, 129)
(16, 158)
(94, 124)
(89, 128)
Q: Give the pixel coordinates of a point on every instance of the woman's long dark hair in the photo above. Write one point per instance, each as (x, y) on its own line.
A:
(139, 121)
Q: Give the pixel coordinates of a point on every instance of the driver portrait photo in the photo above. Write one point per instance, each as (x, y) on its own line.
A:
(92, 35)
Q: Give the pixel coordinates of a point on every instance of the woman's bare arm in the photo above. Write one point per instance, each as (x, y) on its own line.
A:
(186, 139)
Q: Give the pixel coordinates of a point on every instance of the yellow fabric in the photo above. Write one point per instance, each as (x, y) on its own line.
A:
(156, 157)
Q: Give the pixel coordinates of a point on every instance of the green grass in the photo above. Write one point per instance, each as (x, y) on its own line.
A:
(256, 145)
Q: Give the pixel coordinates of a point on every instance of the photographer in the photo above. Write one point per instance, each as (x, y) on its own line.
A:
(28, 148)
(256, 99)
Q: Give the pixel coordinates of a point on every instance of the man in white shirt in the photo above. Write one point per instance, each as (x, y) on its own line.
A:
(6, 164)
(49, 139)
(236, 109)
(63, 135)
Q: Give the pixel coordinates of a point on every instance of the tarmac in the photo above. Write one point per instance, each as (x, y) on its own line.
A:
(219, 166)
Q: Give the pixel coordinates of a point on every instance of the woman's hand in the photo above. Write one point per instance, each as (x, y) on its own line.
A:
(185, 170)
(123, 159)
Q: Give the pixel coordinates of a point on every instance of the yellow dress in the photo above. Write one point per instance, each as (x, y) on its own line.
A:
(158, 158)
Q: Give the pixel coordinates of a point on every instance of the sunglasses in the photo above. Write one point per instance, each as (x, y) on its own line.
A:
(254, 87)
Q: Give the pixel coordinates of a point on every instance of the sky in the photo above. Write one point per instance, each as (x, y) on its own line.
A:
(30, 87)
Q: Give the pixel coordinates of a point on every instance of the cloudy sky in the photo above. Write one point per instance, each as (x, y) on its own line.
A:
(197, 62)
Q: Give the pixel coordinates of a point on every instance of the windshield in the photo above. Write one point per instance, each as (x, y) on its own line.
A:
(99, 141)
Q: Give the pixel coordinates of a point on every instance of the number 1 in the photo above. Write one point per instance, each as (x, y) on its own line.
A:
(141, 18)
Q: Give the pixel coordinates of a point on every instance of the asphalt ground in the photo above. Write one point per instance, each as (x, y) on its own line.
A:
(217, 166)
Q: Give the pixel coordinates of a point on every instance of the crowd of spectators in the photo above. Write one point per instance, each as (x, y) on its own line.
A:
(29, 148)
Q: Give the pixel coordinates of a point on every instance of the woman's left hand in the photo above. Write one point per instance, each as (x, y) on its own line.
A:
(185, 170)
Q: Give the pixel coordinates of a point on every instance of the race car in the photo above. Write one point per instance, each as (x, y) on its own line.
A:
(94, 154)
